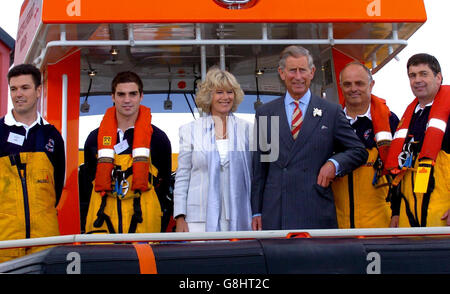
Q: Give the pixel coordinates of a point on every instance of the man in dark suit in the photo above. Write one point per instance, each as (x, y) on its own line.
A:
(311, 142)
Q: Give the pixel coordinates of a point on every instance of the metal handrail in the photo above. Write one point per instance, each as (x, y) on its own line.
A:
(199, 41)
(233, 236)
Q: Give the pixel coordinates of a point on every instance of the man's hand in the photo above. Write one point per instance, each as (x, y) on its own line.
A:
(326, 174)
(446, 216)
(394, 221)
(256, 223)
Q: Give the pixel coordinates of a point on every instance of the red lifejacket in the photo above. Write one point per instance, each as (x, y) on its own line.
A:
(107, 138)
(436, 126)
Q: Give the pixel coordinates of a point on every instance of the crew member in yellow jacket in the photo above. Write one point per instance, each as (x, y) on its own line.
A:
(361, 197)
(420, 152)
(125, 173)
(32, 165)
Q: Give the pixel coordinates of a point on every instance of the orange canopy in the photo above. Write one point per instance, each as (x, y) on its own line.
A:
(183, 11)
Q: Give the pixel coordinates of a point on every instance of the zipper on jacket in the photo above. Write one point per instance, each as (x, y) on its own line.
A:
(23, 179)
(119, 215)
(351, 200)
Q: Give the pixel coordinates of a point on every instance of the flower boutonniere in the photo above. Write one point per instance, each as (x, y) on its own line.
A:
(317, 112)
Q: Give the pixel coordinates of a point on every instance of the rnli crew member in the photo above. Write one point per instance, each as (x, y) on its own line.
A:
(360, 196)
(32, 164)
(419, 155)
(129, 161)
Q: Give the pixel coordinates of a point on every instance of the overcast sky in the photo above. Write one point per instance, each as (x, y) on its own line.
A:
(391, 82)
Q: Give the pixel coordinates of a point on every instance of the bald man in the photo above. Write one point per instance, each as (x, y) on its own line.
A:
(361, 196)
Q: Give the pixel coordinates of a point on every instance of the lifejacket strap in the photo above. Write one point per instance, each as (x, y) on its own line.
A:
(137, 215)
(103, 217)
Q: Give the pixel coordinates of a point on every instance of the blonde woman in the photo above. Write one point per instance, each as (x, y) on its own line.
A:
(213, 179)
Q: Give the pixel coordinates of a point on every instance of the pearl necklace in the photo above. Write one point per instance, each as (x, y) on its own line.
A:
(221, 137)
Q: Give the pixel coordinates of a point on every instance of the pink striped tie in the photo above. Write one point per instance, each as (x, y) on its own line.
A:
(297, 120)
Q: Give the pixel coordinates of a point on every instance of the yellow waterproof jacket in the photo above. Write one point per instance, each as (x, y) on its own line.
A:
(359, 204)
(130, 213)
(422, 209)
(27, 208)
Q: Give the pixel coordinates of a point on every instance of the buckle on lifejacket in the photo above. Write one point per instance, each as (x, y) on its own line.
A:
(405, 158)
(378, 167)
(121, 185)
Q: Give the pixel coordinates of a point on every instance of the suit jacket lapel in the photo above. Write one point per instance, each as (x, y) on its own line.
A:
(310, 122)
(285, 129)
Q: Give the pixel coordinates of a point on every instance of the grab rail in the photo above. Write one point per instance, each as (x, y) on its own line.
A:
(217, 236)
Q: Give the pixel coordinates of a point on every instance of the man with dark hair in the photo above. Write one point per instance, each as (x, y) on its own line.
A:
(423, 58)
(26, 69)
(361, 195)
(127, 77)
(419, 155)
(32, 164)
(128, 161)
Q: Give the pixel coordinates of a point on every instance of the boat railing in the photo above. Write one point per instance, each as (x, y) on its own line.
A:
(79, 239)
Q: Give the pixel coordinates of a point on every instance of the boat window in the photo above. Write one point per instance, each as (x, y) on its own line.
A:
(157, 102)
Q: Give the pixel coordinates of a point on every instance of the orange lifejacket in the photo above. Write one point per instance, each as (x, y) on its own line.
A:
(416, 208)
(114, 209)
(437, 122)
(107, 138)
(380, 119)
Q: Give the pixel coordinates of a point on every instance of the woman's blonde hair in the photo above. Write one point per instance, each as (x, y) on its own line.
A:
(218, 79)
